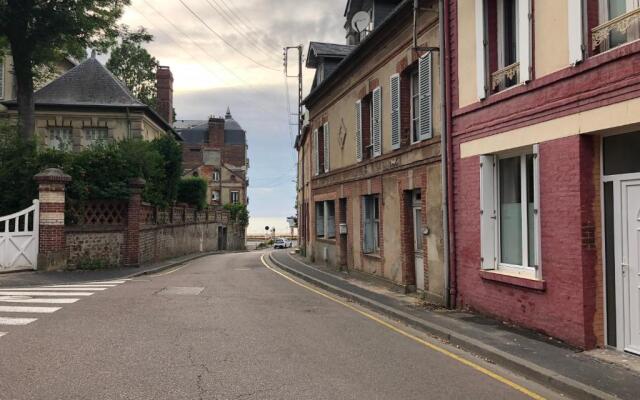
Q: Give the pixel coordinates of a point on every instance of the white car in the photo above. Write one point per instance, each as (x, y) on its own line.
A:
(282, 243)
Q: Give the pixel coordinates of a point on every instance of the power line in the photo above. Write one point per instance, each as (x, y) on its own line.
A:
(224, 40)
(229, 19)
(248, 24)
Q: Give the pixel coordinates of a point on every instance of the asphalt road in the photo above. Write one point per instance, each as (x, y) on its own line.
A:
(227, 327)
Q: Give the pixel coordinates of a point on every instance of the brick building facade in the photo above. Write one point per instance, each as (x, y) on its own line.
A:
(543, 120)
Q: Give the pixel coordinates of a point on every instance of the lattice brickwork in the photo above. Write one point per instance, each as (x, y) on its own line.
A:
(99, 212)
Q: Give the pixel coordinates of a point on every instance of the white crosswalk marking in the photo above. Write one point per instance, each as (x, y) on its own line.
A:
(16, 321)
(42, 299)
(28, 300)
(24, 309)
(25, 293)
(52, 289)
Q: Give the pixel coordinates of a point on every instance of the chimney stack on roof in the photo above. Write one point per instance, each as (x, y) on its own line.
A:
(164, 85)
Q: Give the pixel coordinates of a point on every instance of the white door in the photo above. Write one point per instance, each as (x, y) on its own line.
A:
(631, 263)
(417, 247)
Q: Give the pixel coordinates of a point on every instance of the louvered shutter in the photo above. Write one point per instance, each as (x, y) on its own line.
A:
(326, 147)
(426, 96)
(377, 122)
(575, 31)
(359, 130)
(488, 214)
(316, 153)
(524, 39)
(481, 76)
(395, 111)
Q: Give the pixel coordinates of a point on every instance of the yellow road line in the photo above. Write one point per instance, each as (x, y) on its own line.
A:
(171, 271)
(431, 346)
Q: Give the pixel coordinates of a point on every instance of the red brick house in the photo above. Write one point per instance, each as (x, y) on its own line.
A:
(545, 170)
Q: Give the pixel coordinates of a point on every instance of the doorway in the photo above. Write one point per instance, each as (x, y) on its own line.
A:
(418, 252)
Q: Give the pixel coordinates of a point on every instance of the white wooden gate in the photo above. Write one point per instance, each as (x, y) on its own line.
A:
(19, 239)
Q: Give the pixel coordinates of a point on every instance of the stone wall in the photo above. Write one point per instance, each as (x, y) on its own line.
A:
(86, 248)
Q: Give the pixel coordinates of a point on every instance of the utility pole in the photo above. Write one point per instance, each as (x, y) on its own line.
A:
(302, 218)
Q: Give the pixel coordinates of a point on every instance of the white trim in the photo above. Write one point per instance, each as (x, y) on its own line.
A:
(481, 78)
(359, 151)
(575, 27)
(524, 39)
(326, 156)
(395, 100)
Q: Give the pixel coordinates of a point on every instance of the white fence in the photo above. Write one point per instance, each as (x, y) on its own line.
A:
(19, 239)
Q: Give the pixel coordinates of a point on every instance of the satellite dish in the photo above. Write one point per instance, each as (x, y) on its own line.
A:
(360, 21)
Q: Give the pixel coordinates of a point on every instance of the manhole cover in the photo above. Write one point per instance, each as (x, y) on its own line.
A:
(182, 291)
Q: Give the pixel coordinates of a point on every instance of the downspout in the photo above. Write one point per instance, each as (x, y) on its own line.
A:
(416, 9)
(444, 148)
(451, 254)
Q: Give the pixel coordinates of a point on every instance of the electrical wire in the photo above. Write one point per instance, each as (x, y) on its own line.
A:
(204, 23)
(248, 25)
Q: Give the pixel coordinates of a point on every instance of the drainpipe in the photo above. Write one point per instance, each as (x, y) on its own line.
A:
(447, 176)
(416, 8)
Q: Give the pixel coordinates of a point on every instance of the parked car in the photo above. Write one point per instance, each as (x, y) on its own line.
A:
(282, 243)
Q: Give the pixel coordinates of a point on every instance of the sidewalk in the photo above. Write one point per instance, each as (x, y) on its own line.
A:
(534, 356)
(35, 278)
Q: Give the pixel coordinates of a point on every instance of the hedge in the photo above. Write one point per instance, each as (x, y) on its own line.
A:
(193, 191)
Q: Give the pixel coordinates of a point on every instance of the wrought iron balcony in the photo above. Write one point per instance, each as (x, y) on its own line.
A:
(505, 77)
(600, 34)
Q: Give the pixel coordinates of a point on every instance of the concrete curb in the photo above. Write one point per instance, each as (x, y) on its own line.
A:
(519, 365)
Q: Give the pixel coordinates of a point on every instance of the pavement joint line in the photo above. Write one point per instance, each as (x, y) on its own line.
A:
(26, 309)
(16, 321)
(524, 367)
(406, 334)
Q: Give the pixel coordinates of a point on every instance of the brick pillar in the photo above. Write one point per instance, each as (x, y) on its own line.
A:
(132, 235)
(52, 253)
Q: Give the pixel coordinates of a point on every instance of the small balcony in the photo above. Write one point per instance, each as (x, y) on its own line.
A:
(617, 31)
(505, 77)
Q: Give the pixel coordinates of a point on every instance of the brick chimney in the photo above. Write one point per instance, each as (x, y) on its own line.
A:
(164, 85)
(215, 139)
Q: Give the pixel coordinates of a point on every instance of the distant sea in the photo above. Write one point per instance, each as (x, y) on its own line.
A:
(257, 225)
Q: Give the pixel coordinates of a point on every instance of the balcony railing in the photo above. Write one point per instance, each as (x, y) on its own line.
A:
(600, 34)
(503, 78)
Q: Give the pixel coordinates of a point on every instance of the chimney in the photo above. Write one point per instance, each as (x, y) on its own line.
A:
(215, 138)
(164, 85)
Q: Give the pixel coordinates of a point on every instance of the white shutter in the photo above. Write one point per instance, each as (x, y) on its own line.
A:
(488, 214)
(377, 121)
(359, 130)
(395, 111)
(327, 157)
(480, 51)
(575, 31)
(426, 96)
(316, 153)
(524, 39)
(536, 209)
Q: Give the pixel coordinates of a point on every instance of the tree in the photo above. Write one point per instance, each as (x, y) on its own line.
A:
(134, 66)
(42, 31)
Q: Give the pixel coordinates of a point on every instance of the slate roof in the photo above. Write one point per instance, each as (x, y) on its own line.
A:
(195, 131)
(89, 83)
(318, 50)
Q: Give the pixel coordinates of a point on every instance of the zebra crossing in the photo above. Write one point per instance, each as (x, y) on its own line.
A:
(23, 306)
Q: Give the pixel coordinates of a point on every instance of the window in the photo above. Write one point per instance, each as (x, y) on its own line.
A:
(371, 224)
(421, 100)
(369, 126)
(395, 97)
(608, 35)
(235, 197)
(321, 149)
(96, 135)
(326, 219)
(216, 176)
(331, 219)
(415, 106)
(510, 224)
(320, 219)
(60, 138)
(215, 196)
(507, 45)
(325, 146)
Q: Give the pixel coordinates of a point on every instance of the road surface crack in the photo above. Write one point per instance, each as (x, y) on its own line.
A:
(200, 376)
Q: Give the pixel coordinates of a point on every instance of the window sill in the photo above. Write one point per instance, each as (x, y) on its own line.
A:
(375, 256)
(497, 276)
(326, 240)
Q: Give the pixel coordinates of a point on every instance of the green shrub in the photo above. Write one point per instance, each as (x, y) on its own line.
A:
(99, 172)
(193, 191)
(239, 213)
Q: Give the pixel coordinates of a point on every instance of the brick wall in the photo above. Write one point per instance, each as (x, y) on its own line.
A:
(566, 309)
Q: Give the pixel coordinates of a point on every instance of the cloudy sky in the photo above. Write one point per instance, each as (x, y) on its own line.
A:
(230, 54)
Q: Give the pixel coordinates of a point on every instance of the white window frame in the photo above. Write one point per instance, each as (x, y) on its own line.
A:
(235, 197)
(321, 221)
(375, 221)
(216, 176)
(490, 215)
(61, 144)
(415, 114)
(316, 153)
(215, 195)
(359, 150)
(93, 134)
(326, 144)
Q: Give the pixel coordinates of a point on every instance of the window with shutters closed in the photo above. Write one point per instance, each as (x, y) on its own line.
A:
(370, 224)
(376, 122)
(395, 100)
